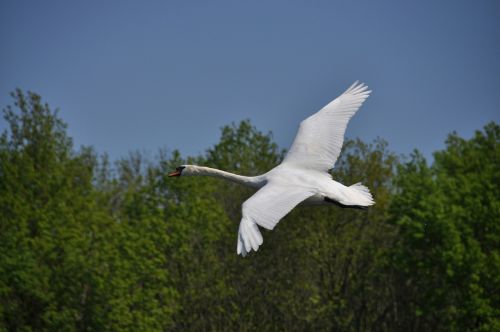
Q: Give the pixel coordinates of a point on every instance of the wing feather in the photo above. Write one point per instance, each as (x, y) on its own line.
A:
(265, 208)
(319, 139)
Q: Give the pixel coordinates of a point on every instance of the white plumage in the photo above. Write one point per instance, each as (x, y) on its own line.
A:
(320, 136)
(302, 176)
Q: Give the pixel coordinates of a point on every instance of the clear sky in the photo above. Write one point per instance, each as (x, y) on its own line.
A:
(130, 75)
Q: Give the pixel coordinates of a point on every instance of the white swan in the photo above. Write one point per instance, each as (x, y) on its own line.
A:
(302, 176)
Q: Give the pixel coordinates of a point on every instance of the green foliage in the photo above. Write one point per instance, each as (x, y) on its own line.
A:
(90, 245)
(68, 261)
(447, 254)
(43, 190)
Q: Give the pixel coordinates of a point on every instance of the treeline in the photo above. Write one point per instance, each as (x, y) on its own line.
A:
(91, 245)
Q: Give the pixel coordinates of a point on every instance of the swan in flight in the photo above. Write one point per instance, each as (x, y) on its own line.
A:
(302, 176)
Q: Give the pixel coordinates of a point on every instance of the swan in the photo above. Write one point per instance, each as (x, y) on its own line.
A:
(303, 174)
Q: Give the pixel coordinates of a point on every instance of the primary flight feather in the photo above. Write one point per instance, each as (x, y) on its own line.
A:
(302, 176)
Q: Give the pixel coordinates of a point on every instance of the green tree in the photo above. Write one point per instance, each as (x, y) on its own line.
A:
(46, 208)
(447, 255)
(203, 215)
(72, 257)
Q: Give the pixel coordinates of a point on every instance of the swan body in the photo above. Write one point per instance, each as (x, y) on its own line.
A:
(303, 175)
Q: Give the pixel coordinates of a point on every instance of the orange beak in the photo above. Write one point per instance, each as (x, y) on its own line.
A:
(174, 173)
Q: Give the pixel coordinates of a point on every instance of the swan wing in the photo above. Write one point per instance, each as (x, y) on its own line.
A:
(320, 136)
(265, 208)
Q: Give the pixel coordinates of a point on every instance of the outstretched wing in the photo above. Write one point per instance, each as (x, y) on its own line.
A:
(265, 208)
(320, 136)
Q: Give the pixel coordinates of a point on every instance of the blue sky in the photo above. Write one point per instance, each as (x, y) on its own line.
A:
(145, 75)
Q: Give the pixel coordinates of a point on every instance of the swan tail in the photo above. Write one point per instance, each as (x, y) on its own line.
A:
(359, 195)
(249, 237)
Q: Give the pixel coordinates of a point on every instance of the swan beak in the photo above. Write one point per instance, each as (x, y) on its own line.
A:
(174, 173)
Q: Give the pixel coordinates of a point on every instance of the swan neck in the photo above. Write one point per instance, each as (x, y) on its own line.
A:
(250, 181)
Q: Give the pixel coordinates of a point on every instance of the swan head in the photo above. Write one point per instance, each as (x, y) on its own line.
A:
(178, 171)
(193, 170)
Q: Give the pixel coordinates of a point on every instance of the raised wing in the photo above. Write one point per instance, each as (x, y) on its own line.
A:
(265, 208)
(320, 136)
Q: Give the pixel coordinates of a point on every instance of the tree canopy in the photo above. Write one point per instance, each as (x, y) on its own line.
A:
(89, 244)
